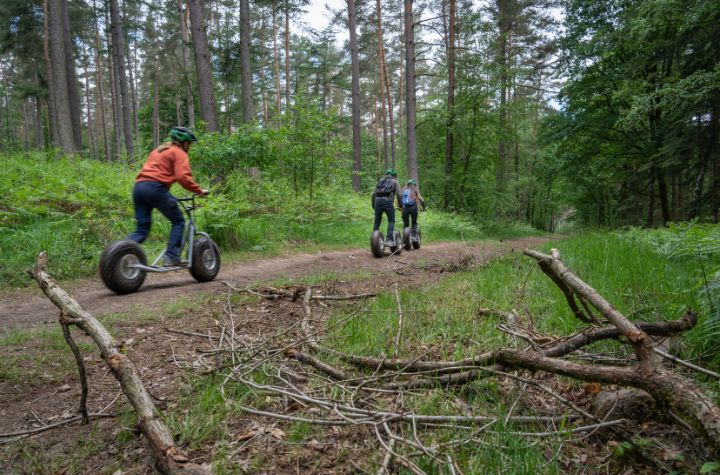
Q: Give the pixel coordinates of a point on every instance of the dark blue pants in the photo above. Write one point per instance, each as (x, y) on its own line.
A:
(408, 213)
(149, 195)
(383, 205)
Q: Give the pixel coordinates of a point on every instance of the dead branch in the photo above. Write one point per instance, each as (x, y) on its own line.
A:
(53, 426)
(669, 388)
(81, 368)
(398, 336)
(168, 458)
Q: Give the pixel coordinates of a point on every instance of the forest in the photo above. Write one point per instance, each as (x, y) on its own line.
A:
(552, 140)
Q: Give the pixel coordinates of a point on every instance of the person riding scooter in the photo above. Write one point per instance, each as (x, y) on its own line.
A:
(166, 165)
(386, 190)
(410, 196)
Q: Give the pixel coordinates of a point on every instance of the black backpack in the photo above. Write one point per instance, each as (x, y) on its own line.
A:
(385, 187)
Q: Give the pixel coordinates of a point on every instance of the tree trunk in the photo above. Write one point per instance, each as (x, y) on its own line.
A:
(247, 94)
(114, 91)
(90, 119)
(52, 120)
(185, 35)
(381, 64)
(504, 27)
(72, 80)
(99, 87)
(664, 202)
(58, 59)
(119, 56)
(37, 116)
(276, 62)
(355, 67)
(287, 54)
(156, 108)
(202, 65)
(449, 159)
(410, 106)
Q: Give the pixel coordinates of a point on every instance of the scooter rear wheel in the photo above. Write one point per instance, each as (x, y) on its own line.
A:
(377, 244)
(398, 247)
(418, 238)
(205, 260)
(406, 239)
(116, 266)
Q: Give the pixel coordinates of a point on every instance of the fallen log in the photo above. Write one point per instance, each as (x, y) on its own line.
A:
(168, 457)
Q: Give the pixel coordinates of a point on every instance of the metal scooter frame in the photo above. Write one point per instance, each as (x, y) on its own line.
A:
(189, 233)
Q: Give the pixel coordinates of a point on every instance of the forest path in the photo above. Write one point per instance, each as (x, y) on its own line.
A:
(28, 307)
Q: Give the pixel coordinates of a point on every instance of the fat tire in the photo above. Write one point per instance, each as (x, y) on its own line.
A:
(111, 272)
(199, 270)
(416, 244)
(406, 239)
(398, 247)
(376, 245)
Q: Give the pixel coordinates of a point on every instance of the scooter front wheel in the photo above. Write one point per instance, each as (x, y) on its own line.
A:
(377, 244)
(117, 266)
(205, 260)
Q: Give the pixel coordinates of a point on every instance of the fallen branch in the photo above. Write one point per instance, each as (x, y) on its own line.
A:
(168, 458)
(81, 368)
(55, 425)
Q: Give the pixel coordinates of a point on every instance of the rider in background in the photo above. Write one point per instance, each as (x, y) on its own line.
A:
(410, 196)
(386, 190)
(167, 164)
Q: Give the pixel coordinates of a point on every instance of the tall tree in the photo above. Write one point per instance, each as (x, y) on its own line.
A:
(118, 43)
(246, 72)
(355, 94)
(202, 65)
(58, 59)
(410, 93)
(449, 138)
(185, 35)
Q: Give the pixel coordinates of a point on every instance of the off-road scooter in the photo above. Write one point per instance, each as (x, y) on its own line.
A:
(377, 244)
(123, 265)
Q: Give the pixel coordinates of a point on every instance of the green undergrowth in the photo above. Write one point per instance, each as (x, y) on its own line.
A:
(72, 208)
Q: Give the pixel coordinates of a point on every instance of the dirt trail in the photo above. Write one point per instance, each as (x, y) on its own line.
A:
(28, 307)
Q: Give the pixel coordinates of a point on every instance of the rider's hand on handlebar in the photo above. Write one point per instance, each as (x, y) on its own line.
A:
(204, 192)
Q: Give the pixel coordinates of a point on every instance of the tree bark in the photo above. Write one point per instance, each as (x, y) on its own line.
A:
(245, 61)
(114, 91)
(202, 65)
(449, 127)
(355, 71)
(99, 86)
(72, 80)
(276, 62)
(504, 28)
(119, 57)
(410, 105)
(52, 118)
(185, 35)
(287, 54)
(58, 59)
(383, 88)
(169, 458)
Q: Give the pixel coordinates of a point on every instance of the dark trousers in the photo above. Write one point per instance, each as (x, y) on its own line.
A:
(408, 213)
(383, 205)
(149, 195)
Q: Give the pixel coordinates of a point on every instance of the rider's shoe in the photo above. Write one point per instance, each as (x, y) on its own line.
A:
(389, 242)
(170, 262)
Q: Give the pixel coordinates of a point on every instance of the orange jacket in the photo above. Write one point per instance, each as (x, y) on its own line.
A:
(168, 166)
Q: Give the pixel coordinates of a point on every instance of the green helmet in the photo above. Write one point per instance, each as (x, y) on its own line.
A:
(391, 171)
(411, 181)
(182, 134)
